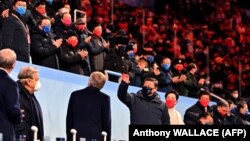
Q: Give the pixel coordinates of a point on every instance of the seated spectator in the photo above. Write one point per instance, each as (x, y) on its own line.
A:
(242, 114)
(205, 119)
(234, 97)
(221, 114)
(202, 105)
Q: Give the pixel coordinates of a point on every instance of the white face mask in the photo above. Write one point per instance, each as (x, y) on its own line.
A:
(38, 85)
(235, 95)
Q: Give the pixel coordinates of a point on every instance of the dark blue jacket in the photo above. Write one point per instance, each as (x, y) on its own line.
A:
(9, 106)
(89, 113)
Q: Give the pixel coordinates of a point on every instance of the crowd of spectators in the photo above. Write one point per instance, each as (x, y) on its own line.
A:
(204, 41)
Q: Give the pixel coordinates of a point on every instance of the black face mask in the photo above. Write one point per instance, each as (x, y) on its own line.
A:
(146, 91)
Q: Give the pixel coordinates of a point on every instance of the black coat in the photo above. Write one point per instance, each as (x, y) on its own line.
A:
(32, 115)
(43, 52)
(143, 110)
(97, 53)
(15, 37)
(89, 113)
(9, 106)
(71, 60)
(192, 114)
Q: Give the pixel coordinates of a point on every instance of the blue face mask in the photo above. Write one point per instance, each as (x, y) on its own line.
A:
(131, 55)
(21, 10)
(46, 28)
(166, 66)
(150, 59)
(50, 2)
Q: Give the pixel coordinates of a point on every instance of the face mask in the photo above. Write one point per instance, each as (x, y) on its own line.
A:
(235, 96)
(20, 10)
(146, 91)
(42, 11)
(131, 55)
(223, 114)
(166, 66)
(150, 59)
(73, 42)
(179, 67)
(170, 103)
(204, 103)
(50, 2)
(38, 86)
(80, 27)
(46, 28)
(66, 22)
(98, 33)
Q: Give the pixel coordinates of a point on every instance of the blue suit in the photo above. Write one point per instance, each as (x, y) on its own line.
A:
(9, 106)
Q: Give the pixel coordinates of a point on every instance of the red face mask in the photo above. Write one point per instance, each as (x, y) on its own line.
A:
(80, 27)
(98, 33)
(204, 102)
(42, 11)
(73, 42)
(179, 67)
(66, 22)
(223, 114)
(170, 103)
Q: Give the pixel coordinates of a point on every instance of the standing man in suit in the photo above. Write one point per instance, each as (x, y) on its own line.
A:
(29, 83)
(9, 96)
(89, 110)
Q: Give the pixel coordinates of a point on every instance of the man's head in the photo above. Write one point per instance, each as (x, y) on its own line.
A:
(223, 108)
(192, 68)
(166, 63)
(150, 86)
(44, 25)
(29, 77)
(242, 107)
(20, 6)
(206, 118)
(235, 94)
(7, 59)
(204, 98)
(81, 23)
(97, 79)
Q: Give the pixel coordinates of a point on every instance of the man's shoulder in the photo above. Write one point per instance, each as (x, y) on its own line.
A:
(6, 78)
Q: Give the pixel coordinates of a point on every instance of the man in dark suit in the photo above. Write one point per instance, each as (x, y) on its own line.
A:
(29, 83)
(89, 110)
(9, 96)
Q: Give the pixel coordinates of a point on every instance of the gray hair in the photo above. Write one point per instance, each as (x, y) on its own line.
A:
(97, 79)
(7, 58)
(26, 72)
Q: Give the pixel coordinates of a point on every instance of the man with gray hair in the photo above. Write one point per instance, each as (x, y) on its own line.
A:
(9, 96)
(89, 110)
(28, 82)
